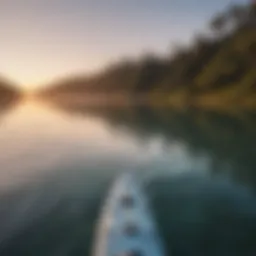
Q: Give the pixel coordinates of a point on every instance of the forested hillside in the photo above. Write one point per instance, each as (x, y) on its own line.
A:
(8, 93)
(218, 67)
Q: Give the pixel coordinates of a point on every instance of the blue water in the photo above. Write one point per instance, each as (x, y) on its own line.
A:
(198, 167)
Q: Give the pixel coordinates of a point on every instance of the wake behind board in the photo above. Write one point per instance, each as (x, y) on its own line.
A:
(126, 226)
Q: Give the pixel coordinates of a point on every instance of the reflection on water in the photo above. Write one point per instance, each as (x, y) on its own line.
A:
(56, 164)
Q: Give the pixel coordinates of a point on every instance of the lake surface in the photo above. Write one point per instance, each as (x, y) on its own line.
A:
(57, 163)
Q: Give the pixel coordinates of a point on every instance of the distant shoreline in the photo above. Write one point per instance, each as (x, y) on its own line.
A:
(175, 100)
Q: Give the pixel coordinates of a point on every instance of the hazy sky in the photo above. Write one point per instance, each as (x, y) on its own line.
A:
(45, 39)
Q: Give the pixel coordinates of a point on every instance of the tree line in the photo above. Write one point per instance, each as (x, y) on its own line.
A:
(218, 64)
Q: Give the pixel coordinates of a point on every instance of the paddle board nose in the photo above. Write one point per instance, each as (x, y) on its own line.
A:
(126, 226)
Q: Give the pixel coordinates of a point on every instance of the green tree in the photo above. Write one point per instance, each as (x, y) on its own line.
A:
(238, 14)
(218, 24)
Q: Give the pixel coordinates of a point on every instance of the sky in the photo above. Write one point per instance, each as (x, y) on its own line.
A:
(43, 40)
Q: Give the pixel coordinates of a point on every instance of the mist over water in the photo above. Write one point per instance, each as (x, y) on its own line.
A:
(57, 164)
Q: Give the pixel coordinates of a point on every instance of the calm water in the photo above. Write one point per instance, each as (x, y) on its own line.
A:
(199, 170)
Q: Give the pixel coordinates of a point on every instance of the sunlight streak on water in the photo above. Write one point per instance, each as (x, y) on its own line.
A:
(37, 140)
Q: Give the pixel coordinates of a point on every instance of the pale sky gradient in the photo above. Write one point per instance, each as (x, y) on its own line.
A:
(42, 40)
